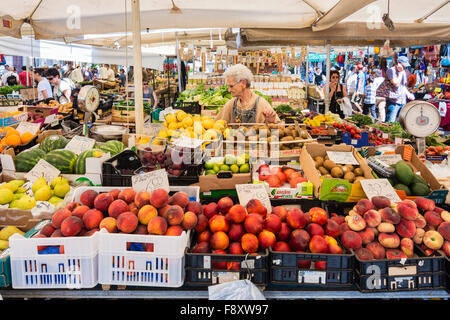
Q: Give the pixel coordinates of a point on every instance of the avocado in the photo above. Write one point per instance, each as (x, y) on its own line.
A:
(404, 173)
(419, 179)
(400, 186)
(420, 189)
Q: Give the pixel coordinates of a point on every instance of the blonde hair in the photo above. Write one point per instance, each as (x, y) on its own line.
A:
(239, 72)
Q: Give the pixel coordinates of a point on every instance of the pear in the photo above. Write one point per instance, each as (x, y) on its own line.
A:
(54, 200)
(9, 186)
(17, 183)
(26, 202)
(39, 183)
(18, 195)
(21, 190)
(13, 204)
(61, 189)
(6, 196)
(43, 194)
(58, 180)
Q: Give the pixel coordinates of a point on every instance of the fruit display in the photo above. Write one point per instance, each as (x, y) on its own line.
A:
(437, 151)
(406, 180)
(278, 177)
(379, 229)
(113, 147)
(53, 142)
(7, 232)
(228, 163)
(328, 170)
(11, 137)
(317, 120)
(62, 107)
(170, 159)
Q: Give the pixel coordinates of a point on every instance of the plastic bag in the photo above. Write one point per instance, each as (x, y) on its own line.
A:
(235, 290)
(346, 107)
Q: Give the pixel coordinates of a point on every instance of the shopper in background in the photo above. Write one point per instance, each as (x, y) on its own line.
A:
(398, 97)
(9, 74)
(246, 106)
(122, 78)
(23, 77)
(360, 84)
(102, 72)
(44, 88)
(370, 97)
(110, 75)
(351, 82)
(337, 92)
(76, 75)
(380, 102)
(62, 90)
(311, 75)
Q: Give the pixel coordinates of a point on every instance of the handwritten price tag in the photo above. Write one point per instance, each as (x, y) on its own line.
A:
(151, 181)
(389, 159)
(379, 187)
(78, 144)
(247, 192)
(342, 157)
(28, 127)
(42, 169)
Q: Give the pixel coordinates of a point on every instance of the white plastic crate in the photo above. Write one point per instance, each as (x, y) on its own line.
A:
(75, 268)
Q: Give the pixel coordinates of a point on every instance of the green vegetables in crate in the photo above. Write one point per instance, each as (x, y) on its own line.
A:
(9, 89)
(361, 120)
(205, 97)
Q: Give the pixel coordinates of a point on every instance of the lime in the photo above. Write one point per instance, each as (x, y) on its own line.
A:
(234, 168)
(209, 165)
(246, 157)
(229, 160)
(216, 168)
(240, 160)
(245, 168)
(224, 167)
(208, 172)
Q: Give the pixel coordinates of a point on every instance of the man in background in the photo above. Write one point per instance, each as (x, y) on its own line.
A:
(44, 88)
(23, 77)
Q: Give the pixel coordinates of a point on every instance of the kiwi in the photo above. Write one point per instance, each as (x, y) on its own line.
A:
(317, 164)
(358, 172)
(319, 160)
(337, 172)
(328, 164)
(345, 169)
(287, 138)
(304, 134)
(349, 176)
(323, 171)
(350, 167)
(327, 176)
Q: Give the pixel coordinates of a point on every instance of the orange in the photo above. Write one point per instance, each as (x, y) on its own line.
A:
(6, 129)
(13, 140)
(26, 137)
(12, 132)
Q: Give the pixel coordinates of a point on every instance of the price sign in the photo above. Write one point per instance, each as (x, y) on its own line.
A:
(379, 187)
(389, 159)
(151, 181)
(7, 162)
(247, 192)
(342, 157)
(28, 127)
(42, 169)
(52, 119)
(78, 144)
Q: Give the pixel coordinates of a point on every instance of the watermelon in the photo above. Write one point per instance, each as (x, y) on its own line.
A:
(26, 160)
(53, 142)
(113, 147)
(63, 160)
(80, 163)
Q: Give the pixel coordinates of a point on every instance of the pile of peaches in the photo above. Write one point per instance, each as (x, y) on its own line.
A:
(379, 229)
(277, 177)
(228, 228)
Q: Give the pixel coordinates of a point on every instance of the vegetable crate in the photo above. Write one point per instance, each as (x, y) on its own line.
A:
(71, 264)
(188, 107)
(357, 143)
(418, 273)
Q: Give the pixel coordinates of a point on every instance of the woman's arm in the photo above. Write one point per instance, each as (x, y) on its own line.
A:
(67, 93)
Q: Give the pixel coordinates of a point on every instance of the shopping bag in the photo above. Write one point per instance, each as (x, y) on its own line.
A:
(346, 106)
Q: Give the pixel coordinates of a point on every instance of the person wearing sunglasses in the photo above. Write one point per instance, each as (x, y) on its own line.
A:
(62, 90)
(338, 92)
(246, 106)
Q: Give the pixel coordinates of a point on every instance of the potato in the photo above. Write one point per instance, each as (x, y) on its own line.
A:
(328, 164)
(323, 171)
(358, 172)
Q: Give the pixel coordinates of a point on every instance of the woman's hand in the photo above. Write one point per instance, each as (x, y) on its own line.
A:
(270, 115)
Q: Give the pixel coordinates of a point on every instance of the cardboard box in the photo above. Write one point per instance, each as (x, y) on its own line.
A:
(215, 182)
(345, 191)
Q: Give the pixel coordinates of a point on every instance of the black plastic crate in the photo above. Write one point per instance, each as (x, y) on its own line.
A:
(188, 107)
(340, 208)
(447, 273)
(113, 169)
(417, 273)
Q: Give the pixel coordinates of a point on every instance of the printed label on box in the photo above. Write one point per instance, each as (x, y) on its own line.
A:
(312, 277)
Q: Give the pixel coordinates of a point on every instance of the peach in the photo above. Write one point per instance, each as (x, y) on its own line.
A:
(127, 195)
(406, 228)
(338, 219)
(254, 223)
(381, 202)
(272, 222)
(378, 251)
(372, 217)
(142, 198)
(320, 265)
(115, 193)
(389, 240)
(296, 218)
(433, 240)
(174, 215)
(92, 218)
(162, 211)
(334, 248)
(219, 240)
(145, 213)
(281, 246)
(351, 240)
(283, 234)
(444, 230)
(57, 233)
(445, 215)
(202, 247)
(219, 265)
(420, 222)
(266, 239)
(332, 228)
(329, 239)
(87, 198)
(308, 218)
(407, 212)
(204, 236)
(80, 211)
(194, 207)
(224, 204)
(59, 216)
(375, 231)
(47, 230)
(356, 222)
(249, 242)
(418, 236)
(117, 207)
(299, 240)
(446, 248)
(318, 215)
(236, 231)
(428, 252)
(159, 198)
(210, 209)
(88, 233)
(386, 227)
(218, 223)
(303, 264)
(235, 248)
(174, 231)
(407, 246)
(315, 229)
(389, 215)
(433, 218)
(367, 235)
(256, 206)
(364, 254)
(72, 206)
(237, 213)
(127, 222)
(425, 204)
(344, 227)
(157, 225)
(141, 229)
(102, 202)
(318, 244)
(133, 208)
(189, 220)
(280, 211)
(392, 254)
(202, 223)
(179, 198)
(363, 205)
(71, 226)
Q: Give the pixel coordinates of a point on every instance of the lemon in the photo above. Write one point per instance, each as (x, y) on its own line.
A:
(187, 122)
(170, 118)
(208, 124)
(234, 168)
(218, 126)
(244, 168)
(173, 126)
(181, 115)
(162, 134)
(196, 118)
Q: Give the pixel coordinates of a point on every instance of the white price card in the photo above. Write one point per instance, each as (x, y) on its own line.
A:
(247, 192)
(389, 159)
(78, 144)
(28, 127)
(52, 119)
(42, 169)
(151, 181)
(7, 162)
(342, 157)
(379, 187)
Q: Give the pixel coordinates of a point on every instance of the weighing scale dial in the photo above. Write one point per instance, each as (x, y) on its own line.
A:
(420, 119)
(88, 98)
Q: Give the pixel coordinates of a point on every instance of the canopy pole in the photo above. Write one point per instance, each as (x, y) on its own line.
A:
(178, 62)
(307, 72)
(137, 57)
(327, 81)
